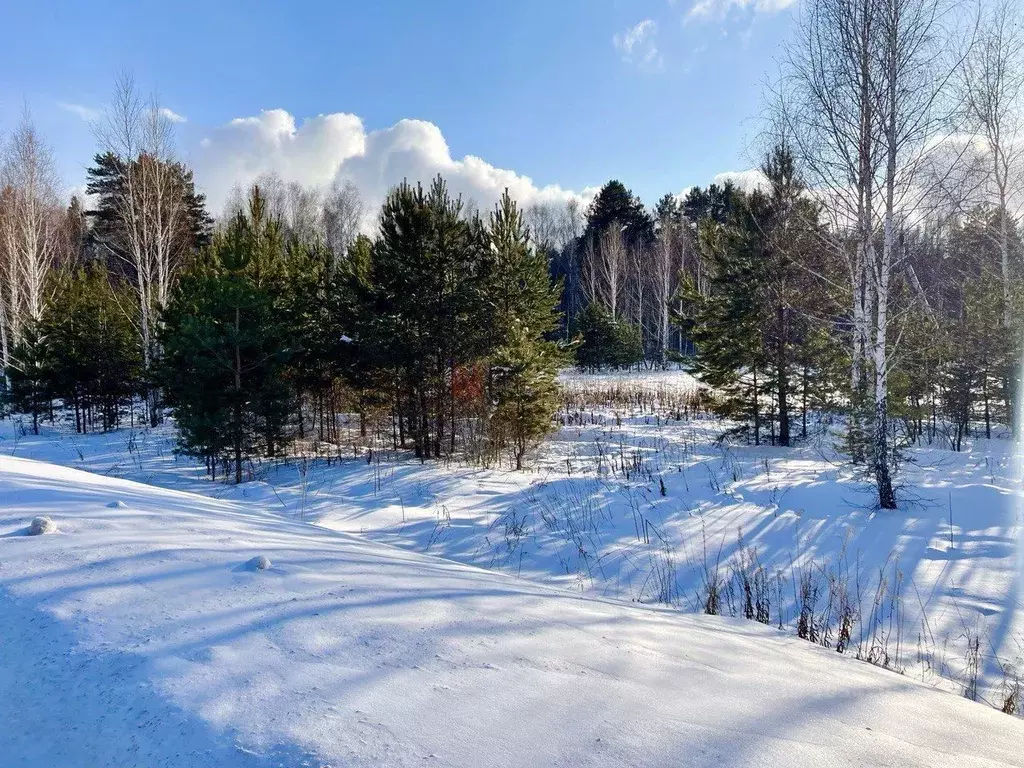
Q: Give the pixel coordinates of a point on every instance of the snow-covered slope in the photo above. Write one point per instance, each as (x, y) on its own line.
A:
(137, 635)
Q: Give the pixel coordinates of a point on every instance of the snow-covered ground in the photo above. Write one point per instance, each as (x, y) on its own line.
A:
(633, 501)
(140, 634)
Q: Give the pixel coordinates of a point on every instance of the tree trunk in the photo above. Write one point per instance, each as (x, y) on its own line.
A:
(783, 380)
(238, 401)
(757, 412)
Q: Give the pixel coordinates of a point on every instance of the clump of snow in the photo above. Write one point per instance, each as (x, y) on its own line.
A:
(117, 504)
(259, 563)
(42, 525)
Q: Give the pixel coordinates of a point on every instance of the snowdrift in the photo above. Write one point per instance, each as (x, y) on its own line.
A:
(139, 634)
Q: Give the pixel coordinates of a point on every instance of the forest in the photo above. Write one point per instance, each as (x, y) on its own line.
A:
(868, 280)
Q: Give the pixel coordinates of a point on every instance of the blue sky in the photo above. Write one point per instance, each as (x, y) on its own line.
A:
(569, 92)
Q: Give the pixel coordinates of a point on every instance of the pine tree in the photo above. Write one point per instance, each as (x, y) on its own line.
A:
(96, 366)
(147, 222)
(30, 375)
(524, 365)
(524, 373)
(429, 321)
(598, 338)
(726, 325)
(616, 204)
(606, 342)
(107, 186)
(751, 319)
(227, 344)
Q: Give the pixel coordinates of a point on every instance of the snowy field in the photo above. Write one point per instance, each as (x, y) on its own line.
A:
(140, 634)
(535, 618)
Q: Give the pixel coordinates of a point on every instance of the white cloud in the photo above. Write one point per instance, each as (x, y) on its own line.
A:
(337, 147)
(171, 115)
(88, 114)
(91, 114)
(637, 44)
(748, 180)
(719, 9)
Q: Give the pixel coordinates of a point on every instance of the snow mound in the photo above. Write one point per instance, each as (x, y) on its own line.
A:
(134, 643)
(118, 504)
(258, 563)
(41, 526)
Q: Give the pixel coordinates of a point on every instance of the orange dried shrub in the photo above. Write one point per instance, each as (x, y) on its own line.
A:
(468, 383)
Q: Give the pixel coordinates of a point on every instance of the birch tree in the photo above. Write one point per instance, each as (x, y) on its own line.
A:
(545, 228)
(992, 92)
(667, 263)
(863, 102)
(915, 117)
(827, 106)
(149, 205)
(31, 233)
(342, 216)
(611, 264)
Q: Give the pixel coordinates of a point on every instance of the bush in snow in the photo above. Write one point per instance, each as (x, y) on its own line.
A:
(41, 525)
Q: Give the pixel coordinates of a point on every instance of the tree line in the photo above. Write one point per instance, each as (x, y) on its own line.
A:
(268, 327)
(872, 275)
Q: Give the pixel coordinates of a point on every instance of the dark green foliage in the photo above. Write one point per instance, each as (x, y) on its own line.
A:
(31, 376)
(615, 204)
(606, 342)
(979, 352)
(756, 342)
(440, 321)
(715, 203)
(428, 318)
(726, 325)
(450, 318)
(524, 365)
(94, 359)
(669, 210)
(525, 391)
(107, 183)
(227, 344)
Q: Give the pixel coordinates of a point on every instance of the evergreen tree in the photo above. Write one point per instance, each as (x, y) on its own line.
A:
(524, 365)
(616, 204)
(606, 342)
(726, 325)
(95, 363)
(106, 184)
(597, 338)
(31, 375)
(227, 346)
(429, 318)
(525, 389)
(715, 203)
(752, 322)
(147, 222)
